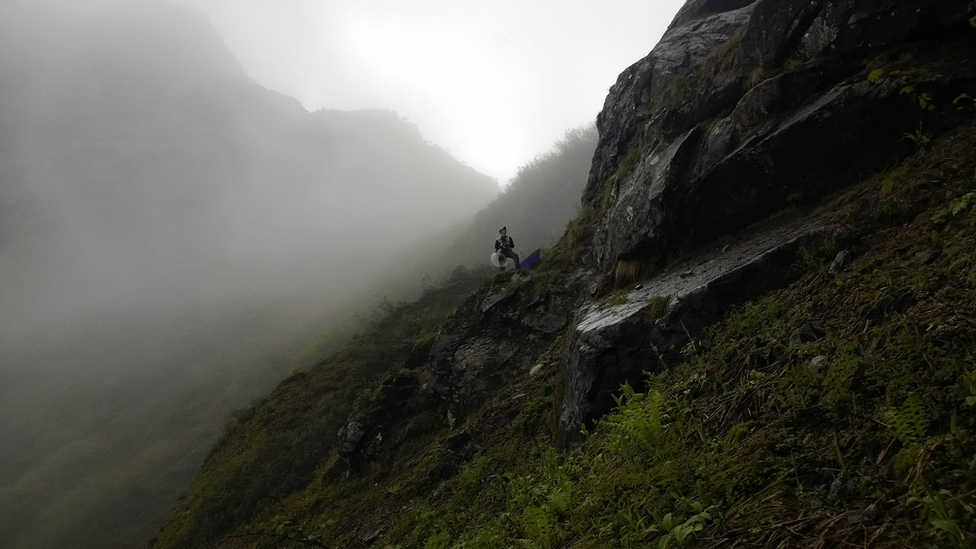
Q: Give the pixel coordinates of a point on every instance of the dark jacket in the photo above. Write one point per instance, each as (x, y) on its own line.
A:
(504, 243)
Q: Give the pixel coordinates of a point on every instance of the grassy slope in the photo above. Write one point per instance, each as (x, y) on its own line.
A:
(854, 432)
(272, 448)
(749, 442)
(755, 440)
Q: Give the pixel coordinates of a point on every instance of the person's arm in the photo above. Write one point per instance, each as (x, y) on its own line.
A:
(511, 242)
(497, 244)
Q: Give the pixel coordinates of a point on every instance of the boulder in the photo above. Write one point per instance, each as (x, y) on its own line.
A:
(368, 432)
(614, 343)
(471, 361)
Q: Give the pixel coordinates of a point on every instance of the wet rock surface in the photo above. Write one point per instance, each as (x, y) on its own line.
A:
(372, 431)
(611, 344)
(469, 361)
(743, 107)
(631, 98)
(720, 132)
(775, 107)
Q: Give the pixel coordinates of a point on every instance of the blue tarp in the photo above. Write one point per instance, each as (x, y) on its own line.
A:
(531, 260)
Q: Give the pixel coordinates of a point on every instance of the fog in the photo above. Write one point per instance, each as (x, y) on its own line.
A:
(496, 82)
(175, 237)
(171, 235)
(155, 176)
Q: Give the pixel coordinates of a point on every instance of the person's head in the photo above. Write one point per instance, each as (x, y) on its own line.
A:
(503, 231)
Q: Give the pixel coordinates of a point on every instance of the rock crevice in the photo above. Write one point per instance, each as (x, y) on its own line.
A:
(614, 343)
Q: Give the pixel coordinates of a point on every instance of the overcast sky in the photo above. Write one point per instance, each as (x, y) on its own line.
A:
(496, 82)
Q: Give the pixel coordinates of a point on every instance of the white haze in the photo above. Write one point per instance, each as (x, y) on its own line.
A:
(495, 81)
(172, 232)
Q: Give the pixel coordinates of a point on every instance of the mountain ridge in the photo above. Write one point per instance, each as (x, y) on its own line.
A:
(168, 243)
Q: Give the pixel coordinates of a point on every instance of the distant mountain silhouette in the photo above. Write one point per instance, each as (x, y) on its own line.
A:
(135, 132)
(165, 223)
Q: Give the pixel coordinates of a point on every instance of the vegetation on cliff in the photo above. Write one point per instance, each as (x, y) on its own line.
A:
(836, 411)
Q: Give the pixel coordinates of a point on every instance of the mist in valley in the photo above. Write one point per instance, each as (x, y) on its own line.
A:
(171, 235)
(175, 238)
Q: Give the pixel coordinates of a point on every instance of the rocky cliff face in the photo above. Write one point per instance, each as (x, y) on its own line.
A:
(746, 106)
(742, 109)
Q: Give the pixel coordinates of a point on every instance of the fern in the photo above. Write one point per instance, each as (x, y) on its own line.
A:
(540, 502)
(957, 205)
(908, 422)
(535, 523)
(561, 497)
(969, 380)
(636, 423)
(963, 203)
(439, 540)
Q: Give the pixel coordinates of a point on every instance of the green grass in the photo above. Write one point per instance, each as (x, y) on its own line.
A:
(278, 446)
(761, 437)
(862, 435)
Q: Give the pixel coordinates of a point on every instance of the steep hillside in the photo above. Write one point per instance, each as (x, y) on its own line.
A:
(759, 330)
(535, 206)
(833, 411)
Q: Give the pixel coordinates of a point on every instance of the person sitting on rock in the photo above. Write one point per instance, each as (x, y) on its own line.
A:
(504, 245)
